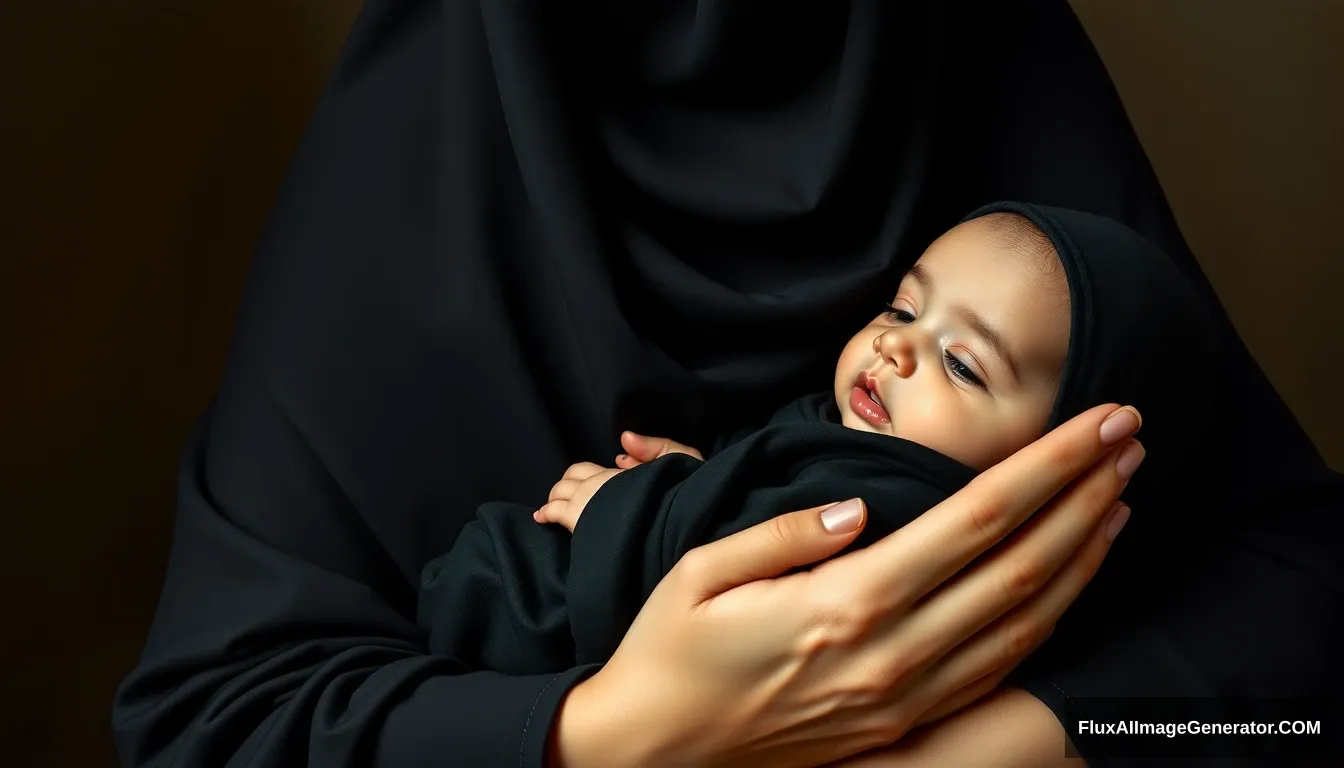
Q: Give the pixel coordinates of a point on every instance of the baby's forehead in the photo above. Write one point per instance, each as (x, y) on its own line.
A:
(1016, 236)
(995, 251)
(1006, 274)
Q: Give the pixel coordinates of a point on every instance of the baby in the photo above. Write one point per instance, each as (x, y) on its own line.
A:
(968, 354)
(1008, 325)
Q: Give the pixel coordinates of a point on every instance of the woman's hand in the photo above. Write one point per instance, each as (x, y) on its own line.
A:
(730, 663)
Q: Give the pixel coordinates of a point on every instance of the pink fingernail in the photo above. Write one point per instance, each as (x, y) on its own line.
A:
(1119, 425)
(1129, 460)
(843, 517)
(1118, 519)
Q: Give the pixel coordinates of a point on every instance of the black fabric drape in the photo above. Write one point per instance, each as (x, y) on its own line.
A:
(518, 597)
(515, 228)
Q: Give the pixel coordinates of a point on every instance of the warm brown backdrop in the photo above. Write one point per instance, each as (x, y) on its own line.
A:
(141, 144)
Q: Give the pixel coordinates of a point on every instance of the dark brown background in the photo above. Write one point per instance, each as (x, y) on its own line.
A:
(143, 140)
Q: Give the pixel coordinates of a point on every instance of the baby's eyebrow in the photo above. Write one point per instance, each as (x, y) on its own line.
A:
(977, 323)
(920, 275)
(991, 337)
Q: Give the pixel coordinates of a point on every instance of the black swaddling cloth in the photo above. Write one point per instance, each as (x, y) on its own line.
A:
(518, 597)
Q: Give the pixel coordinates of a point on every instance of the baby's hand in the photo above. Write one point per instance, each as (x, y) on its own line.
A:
(569, 496)
(641, 449)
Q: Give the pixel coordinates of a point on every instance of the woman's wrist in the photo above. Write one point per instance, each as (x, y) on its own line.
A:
(589, 733)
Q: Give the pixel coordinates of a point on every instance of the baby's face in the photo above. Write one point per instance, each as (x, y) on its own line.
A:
(968, 360)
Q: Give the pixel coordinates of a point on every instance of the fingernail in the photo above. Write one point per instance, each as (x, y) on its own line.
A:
(1119, 425)
(843, 517)
(1118, 519)
(620, 457)
(1129, 460)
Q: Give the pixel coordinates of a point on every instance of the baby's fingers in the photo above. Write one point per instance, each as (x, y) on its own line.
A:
(563, 490)
(582, 471)
(558, 512)
(575, 476)
(644, 448)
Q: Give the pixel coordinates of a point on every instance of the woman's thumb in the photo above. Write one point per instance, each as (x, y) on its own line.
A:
(771, 548)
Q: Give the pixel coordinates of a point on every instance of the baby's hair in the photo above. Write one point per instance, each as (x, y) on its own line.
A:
(1017, 234)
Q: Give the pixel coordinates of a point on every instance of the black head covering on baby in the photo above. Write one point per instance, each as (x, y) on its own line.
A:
(1139, 336)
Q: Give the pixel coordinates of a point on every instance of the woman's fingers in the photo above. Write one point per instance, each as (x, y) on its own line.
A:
(964, 526)
(1023, 565)
(1046, 608)
(768, 549)
(978, 667)
(995, 651)
(964, 697)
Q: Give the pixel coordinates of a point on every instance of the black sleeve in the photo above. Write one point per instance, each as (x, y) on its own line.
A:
(496, 600)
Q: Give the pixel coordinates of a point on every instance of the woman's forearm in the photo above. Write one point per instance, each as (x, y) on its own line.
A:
(1008, 729)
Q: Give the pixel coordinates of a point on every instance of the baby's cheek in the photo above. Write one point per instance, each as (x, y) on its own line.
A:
(975, 439)
(943, 429)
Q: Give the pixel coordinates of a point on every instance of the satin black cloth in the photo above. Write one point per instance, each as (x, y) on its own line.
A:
(515, 228)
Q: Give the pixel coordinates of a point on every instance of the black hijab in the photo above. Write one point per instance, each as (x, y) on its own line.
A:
(1138, 335)
(513, 229)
